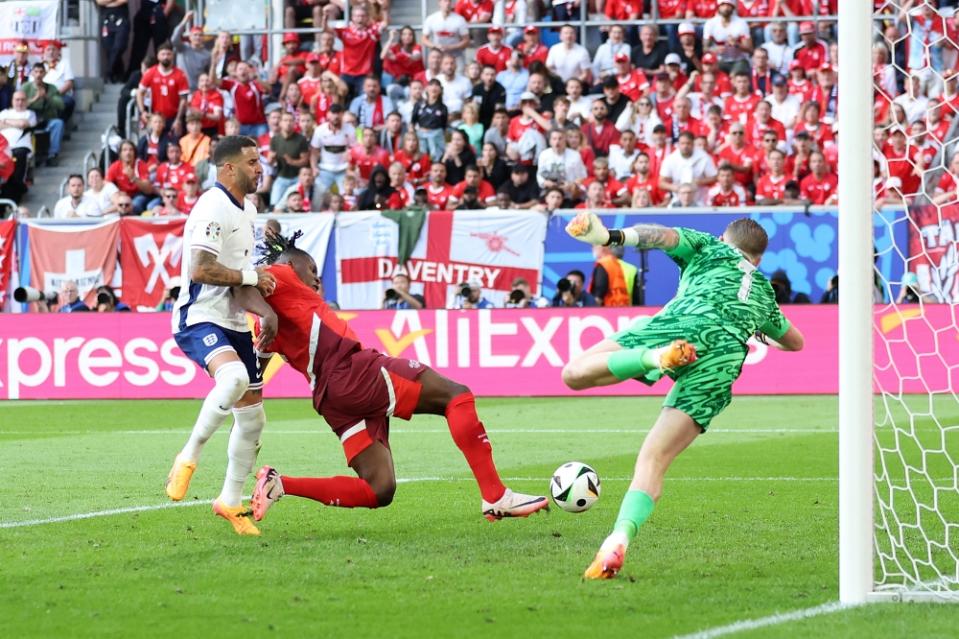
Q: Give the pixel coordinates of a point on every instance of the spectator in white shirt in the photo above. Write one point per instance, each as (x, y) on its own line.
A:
(456, 88)
(623, 155)
(446, 31)
(785, 105)
(76, 203)
(558, 166)
(778, 47)
(101, 190)
(329, 153)
(727, 35)
(603, 60)
(687, 164)
(567, 59)
(510, 12)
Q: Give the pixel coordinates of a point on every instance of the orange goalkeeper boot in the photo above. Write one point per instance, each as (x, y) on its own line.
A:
(676, 355)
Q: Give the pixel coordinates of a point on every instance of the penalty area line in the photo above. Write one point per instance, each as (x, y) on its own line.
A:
(771, 620)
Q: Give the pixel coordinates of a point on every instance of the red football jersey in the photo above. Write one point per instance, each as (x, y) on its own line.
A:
(818, 191)
(633, 84)
(417, 168)
(496, 59)
(613, 187)
(471, 11)
(632, 9)
(310, 336)
(248, 100)
(165, 89)
(718, 197)
(740, 109)
(770, 188)
(309, 87)
(539, 52)
(744, 157)
(703, 8)
(365, 162)
(668, 9)
(439, 197)
(485, 193)
(175, 176)
(209, 103)
(359, 48)
(650, 184)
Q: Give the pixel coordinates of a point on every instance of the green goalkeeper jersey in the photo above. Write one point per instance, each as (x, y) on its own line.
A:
(718, 283)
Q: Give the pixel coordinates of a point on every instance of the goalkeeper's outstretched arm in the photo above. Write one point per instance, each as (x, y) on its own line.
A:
(587, 227)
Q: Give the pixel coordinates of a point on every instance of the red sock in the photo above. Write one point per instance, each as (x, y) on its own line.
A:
(470, 437)
(345, 492)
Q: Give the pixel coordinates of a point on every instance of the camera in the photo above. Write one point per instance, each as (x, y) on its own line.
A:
(391, 294)
(564, 285)
(516, 296)
(465, 291)
(28, 294)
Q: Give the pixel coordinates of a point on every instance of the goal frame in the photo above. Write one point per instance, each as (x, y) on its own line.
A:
(856, 327)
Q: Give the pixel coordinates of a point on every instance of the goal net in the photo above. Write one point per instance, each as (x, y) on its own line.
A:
(916, 324)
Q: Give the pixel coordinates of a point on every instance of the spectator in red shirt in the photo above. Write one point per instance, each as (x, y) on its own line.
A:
(664, 97)
(600, 132)
(632, 82)
(132, 176)
(168, 87)
(152, 146)
(904, 163)
(726, 192)
(532, 49)
(763, 121)
(187, 198)
(209, 103)
(813, 52)
(799, 85)
(810, 123)
(819, 187)
(416, 163)
(803, 148)
(595, 198)
(332, 91)
(826, 94)
(359, 39)
(682, 120)
(402, 61)
(644, 179)
(740, 105)
(473, 178)
(771, 188)
(310, 82)
(615, 190)
(174, 171)
(948, 188)
(478, 12)
(403, 191)
(438, 192)
(366, 155)
(249, 99)
(291, 66)
(494, 54)
(737, 155)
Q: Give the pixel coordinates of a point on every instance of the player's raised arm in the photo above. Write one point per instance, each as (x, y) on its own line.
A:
(587, 227)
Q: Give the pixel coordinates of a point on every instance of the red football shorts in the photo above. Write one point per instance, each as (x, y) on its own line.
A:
(364, 392)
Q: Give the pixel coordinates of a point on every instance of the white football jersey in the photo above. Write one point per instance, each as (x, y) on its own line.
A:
(218, 225)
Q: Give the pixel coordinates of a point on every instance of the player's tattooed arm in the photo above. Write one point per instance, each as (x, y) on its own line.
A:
(645, 236)
(206, 269)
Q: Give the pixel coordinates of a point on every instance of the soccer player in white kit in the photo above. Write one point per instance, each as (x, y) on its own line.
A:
(211, 329)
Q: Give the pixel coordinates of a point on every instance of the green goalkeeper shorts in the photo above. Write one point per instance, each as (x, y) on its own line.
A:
(702, 389)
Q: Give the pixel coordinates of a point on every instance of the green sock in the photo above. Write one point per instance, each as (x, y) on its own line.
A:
(636, 508)
(632, 362)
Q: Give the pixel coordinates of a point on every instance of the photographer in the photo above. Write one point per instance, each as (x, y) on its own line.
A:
(471, 296)
(615, 281)
(522, 296)
(570, 291)
(399, 297)
(70, 301)
(108, 302)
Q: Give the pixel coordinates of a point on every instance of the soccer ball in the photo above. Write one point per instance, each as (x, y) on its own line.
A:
(574, 487)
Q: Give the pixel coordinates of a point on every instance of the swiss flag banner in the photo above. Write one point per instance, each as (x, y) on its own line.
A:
(491, 248)
(150, 255)
(85, 254)
(8, 234)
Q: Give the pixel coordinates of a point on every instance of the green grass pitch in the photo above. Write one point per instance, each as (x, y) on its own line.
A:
(746, 528)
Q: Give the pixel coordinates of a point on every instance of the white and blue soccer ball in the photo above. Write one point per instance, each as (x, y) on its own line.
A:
(574, 487)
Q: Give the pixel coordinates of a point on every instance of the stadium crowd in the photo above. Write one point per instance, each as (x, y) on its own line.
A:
(710, 111)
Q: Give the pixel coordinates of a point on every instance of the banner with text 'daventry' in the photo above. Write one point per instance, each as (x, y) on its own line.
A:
(446, 249)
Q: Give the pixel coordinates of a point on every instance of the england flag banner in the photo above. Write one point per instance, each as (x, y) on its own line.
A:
(444, 250)
(85, 254)
(150, 255)
(8, 234)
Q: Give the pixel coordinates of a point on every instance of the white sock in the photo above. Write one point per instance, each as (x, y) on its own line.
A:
(615, 538)
(232, 381)
(244, 442)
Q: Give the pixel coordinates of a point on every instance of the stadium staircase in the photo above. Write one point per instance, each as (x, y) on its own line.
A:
(87, 128)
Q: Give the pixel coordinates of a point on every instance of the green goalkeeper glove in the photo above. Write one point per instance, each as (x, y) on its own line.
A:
(587, 227)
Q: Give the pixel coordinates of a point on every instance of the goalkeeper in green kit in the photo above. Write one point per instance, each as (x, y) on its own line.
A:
(698, 339)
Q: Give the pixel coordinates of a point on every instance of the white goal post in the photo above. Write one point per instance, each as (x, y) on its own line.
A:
(898, 476)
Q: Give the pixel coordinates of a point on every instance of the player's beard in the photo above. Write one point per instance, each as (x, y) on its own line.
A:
(246, 183)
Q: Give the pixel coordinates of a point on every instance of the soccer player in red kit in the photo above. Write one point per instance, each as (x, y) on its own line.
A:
(357, 390)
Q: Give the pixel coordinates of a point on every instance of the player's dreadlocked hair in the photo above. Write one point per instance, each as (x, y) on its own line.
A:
(275, 245)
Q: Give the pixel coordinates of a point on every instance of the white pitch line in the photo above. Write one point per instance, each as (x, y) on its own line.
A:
(428, 431)
(405, 480)
(771, 620)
